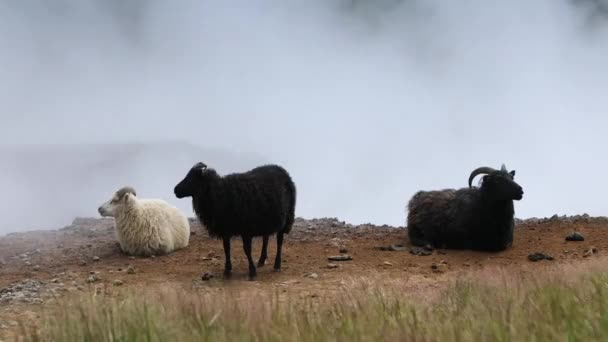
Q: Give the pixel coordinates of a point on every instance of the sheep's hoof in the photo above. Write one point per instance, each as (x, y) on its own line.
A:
(252, 278)
(277, 269)
(227, 274)
(261, 263)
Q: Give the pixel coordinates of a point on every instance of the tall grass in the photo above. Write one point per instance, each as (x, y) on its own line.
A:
(467, 310)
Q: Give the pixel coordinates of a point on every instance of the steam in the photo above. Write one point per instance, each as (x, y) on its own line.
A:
(364, 102)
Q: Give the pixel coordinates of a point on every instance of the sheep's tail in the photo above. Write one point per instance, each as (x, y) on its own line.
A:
(291, 210)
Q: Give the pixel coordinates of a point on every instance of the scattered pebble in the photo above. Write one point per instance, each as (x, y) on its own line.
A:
(534, 257)
(96, 258)
(54, 280)
(207, 276)
(439, 268)
(343, 250)
(82, 263)
(421, 251)
(394, 248)
(344, 257)
(386, 263)
(36, 268)
(92, 279)
(117, 282)
(28, 263)
(331, 265)
(130, 270)
(575, 236)
(312, 276)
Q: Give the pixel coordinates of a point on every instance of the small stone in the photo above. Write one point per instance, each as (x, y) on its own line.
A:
(312, 276)
(36, 268)
(534, 257)
(131, 257)
(344, 257)
(27, 263)
(331, 265)
(206, 258)
(192, 233)
(386, 263)
(210, 255)
(117, 282)
(91, 279)
(466, 264)
(575, 236)
(152, 256)
(439, 268)
(343, 250)
(54, 280)
(130, 270)
(82, 263)
(207, 276)
(421, 251)
(96, 258)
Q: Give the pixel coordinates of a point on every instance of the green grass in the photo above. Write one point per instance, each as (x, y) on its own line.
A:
(551, 309)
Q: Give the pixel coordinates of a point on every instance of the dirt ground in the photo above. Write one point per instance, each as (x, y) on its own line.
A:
(36, 266)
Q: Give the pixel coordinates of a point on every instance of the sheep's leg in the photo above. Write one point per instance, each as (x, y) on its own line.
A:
(247, 247)
(264, 254)
(227, 264)
(277, 260)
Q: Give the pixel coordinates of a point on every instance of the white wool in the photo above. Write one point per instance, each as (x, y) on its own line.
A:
(148, 226)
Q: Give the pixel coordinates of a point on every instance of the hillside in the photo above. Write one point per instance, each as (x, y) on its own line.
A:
(38, 267)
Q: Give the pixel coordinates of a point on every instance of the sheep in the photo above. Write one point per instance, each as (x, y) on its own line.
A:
(259, 202)
(468, 218)
(146, 227)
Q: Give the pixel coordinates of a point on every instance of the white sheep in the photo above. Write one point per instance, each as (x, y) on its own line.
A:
(146, 227)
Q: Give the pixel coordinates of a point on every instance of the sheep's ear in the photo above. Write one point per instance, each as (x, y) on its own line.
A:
(503, 168)
(512, 173)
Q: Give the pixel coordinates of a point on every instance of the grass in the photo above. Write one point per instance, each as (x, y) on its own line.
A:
(557, 307)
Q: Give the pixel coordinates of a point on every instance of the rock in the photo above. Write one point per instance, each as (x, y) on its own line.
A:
(386, 263)
(330, 265)
(312, 276)
(130, 270)
(534, 257)
(92, 279)
(28, 263)
(36, 268)
(393, 248)
(575, 236)
(54, 280)
(207, 276)
(96, 258)
(117, 282)
(211, 255)
(466, 264)
(439, 268)
(343, 250)
(421, 251)
(82, 263)
(344, 257)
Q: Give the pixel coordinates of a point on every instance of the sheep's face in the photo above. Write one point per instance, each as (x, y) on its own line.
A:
(114, 205)
(502, 186)
(193, 181)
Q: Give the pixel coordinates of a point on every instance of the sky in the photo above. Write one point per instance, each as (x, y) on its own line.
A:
(363, 102)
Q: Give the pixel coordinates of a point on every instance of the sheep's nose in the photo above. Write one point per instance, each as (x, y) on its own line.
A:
(100, 210)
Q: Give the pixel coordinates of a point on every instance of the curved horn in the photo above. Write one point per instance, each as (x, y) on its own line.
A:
(479, 171)
(199, 165)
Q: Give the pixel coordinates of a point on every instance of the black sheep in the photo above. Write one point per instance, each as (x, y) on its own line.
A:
(260, 202)
(468, 218)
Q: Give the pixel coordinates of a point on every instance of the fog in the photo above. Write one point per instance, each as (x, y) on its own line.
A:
(364, 102)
